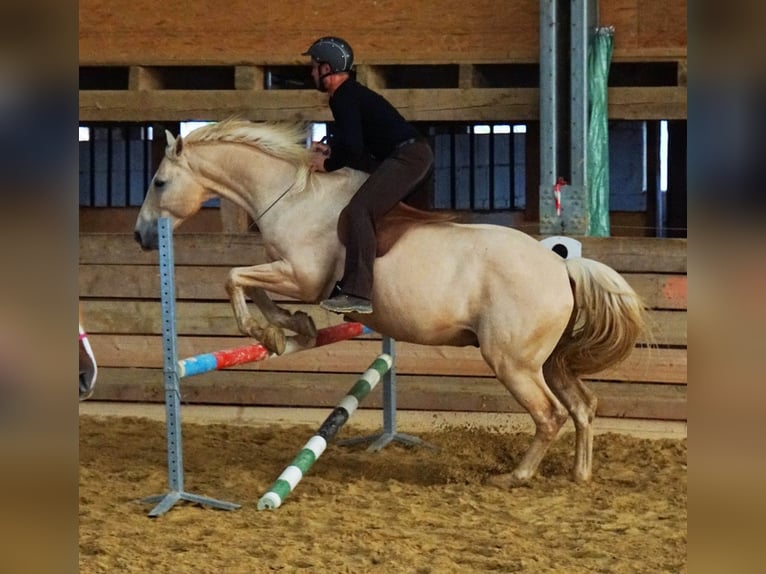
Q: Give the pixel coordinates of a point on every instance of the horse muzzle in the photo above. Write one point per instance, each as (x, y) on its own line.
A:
(147, 239)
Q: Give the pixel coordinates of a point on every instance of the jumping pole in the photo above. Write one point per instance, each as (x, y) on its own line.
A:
(313, 449)
(252, 353)
(389, 433)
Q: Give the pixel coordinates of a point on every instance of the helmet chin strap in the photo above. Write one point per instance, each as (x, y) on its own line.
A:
(320, 81)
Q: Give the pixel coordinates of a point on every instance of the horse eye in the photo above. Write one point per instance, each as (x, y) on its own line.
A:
(159, 183)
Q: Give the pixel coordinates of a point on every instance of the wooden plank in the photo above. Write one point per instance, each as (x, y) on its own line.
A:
(117, 350)
(413, 393)
(637, 254)
(659, 291)
(123, 219)
(266, 32)
(668, 328)
(216, 249)
(271, 33)
(143, 282)
(449, 104)
(371, 76)
(641, 103)
(305, 105)
(625, 254)
(133, 317)
(466, 76)
(683, 72)
(248, 77)
(143, 78)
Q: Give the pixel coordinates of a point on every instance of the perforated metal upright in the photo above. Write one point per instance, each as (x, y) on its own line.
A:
(557, 116)
(389, 433)
(172, 387)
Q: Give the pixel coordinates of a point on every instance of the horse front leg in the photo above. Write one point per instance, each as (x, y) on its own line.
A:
(276, 277)
(298, 322)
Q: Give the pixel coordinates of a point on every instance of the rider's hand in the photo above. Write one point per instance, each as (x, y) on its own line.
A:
(320, 148)
(316, 161)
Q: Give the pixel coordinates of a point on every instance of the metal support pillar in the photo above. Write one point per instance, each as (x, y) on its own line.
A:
(548, 110)
(573, 216)
(578, 212)
(172, 389)
(389, 433)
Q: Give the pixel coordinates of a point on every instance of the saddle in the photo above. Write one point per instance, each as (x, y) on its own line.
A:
(395, 223)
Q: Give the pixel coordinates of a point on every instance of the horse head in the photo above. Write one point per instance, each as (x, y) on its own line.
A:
(174, 192)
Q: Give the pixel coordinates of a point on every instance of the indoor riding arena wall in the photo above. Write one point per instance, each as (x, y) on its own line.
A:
(119, 294)
(166, 62)
(402, 510)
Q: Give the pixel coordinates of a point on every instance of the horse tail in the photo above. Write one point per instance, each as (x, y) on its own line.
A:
(607, 319)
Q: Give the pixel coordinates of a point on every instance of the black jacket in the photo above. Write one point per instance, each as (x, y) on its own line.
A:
(367, 128)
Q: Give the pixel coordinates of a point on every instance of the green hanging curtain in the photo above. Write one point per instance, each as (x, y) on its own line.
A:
(599, 58)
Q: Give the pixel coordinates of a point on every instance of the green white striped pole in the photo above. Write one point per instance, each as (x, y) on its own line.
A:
(313, 449)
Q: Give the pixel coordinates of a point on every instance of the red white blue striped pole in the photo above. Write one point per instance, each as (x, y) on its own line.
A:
(313, 449)
(218, 360)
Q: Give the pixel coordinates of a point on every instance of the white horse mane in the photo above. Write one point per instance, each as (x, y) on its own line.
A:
(285, 140)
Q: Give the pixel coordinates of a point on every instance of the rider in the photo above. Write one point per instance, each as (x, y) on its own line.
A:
(370, 135)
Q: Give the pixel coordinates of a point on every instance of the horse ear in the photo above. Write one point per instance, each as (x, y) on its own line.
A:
(175, 145)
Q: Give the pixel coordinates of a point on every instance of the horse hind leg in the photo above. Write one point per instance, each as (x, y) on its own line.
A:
(581, 403)
(530, 390)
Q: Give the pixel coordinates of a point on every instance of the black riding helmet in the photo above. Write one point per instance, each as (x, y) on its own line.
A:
(333, 51)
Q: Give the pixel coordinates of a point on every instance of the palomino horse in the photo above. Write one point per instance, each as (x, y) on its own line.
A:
(88, 367)
(541, 322)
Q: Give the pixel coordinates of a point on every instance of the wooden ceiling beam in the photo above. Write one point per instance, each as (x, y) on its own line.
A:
(476, 104)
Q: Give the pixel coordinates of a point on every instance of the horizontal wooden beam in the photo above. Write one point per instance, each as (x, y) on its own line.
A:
(146, 32)
(475, 104)
(625, 254)
(274, 105)
(217, 319)
(116, 350)
(659, 291)
(452, 393)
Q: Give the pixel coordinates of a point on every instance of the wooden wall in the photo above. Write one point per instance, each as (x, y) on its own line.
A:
(472, 62)
(208, 32)
(138, 39)
(119, 291)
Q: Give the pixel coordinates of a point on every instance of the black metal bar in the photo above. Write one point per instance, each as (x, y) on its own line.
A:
(453, 169)
(126, 134)
(92, 174)
(512, 167)
(471, 168)
(492, 168)
(109, 166)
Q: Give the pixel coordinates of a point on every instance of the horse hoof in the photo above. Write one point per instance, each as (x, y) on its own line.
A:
(507, 481)
(274, 340)
(580, 478)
